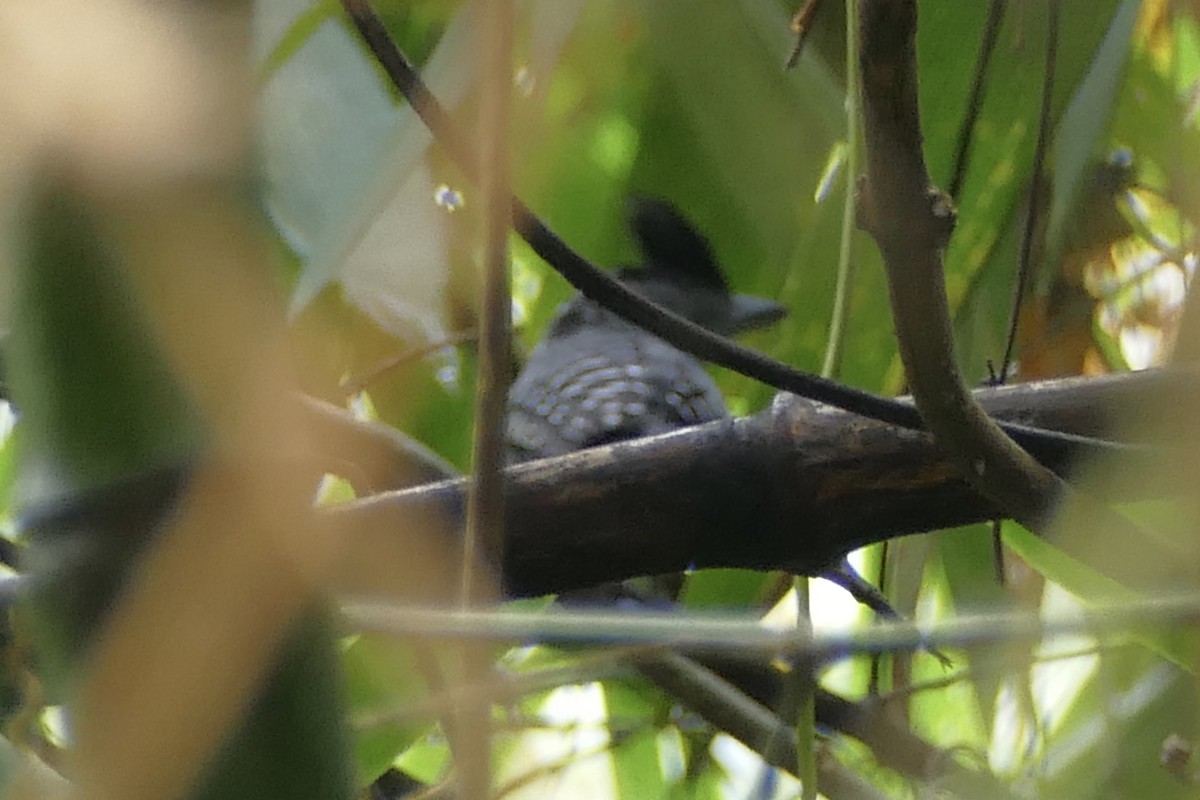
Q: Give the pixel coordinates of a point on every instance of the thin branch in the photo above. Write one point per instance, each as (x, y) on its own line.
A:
(1033, 208)
(504, 687)
(485, 535)
(612, 294)
(802, 694)
(709, 637)
(966, 132)
(802, 24)
(840, 782)
(713, 690)
(360, 382)
(832, 365)
(485, 504)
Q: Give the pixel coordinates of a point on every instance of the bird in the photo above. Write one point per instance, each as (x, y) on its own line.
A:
(595, 378)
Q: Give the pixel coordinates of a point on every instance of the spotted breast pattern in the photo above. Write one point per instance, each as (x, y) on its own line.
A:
(596, 379)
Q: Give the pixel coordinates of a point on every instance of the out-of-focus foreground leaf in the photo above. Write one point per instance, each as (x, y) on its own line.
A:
(98, 406)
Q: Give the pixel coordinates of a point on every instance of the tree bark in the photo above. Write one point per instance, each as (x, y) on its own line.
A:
(795, 487)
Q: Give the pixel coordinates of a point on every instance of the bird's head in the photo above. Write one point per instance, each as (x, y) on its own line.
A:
(681, 273)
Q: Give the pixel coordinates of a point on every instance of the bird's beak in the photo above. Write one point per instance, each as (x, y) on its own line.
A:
(748, 312)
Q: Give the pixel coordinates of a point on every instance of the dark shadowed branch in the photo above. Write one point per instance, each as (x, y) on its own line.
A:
(795, 487)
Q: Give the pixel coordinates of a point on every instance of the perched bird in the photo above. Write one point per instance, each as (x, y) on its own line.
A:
(596, 379)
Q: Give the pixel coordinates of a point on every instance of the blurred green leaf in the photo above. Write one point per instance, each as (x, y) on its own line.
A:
(638, 768)
(969, 580)
(982, 256)
(99, 405)
(383, 675)
(1097, 590)
(297, 35)
(1084, 123)
(1110, 741)
(97, 399)
(727, 588)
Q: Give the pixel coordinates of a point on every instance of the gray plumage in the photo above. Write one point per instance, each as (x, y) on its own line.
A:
(596, 379)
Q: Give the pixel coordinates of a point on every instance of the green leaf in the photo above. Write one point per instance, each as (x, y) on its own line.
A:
(726, 588)
(99, 405)
(637, 767)
(1085, 122)
(383, 675)
(96, 397)
(298, 33)
(982, 256)
(292, 743)
(1097, 590)
(969, 580)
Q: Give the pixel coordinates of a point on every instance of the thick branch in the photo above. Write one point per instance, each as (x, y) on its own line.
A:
(796, 487)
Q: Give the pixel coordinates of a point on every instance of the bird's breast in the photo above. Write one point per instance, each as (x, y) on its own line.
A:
(598, 387)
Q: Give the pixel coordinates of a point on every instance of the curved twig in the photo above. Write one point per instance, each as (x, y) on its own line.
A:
(966, 132)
